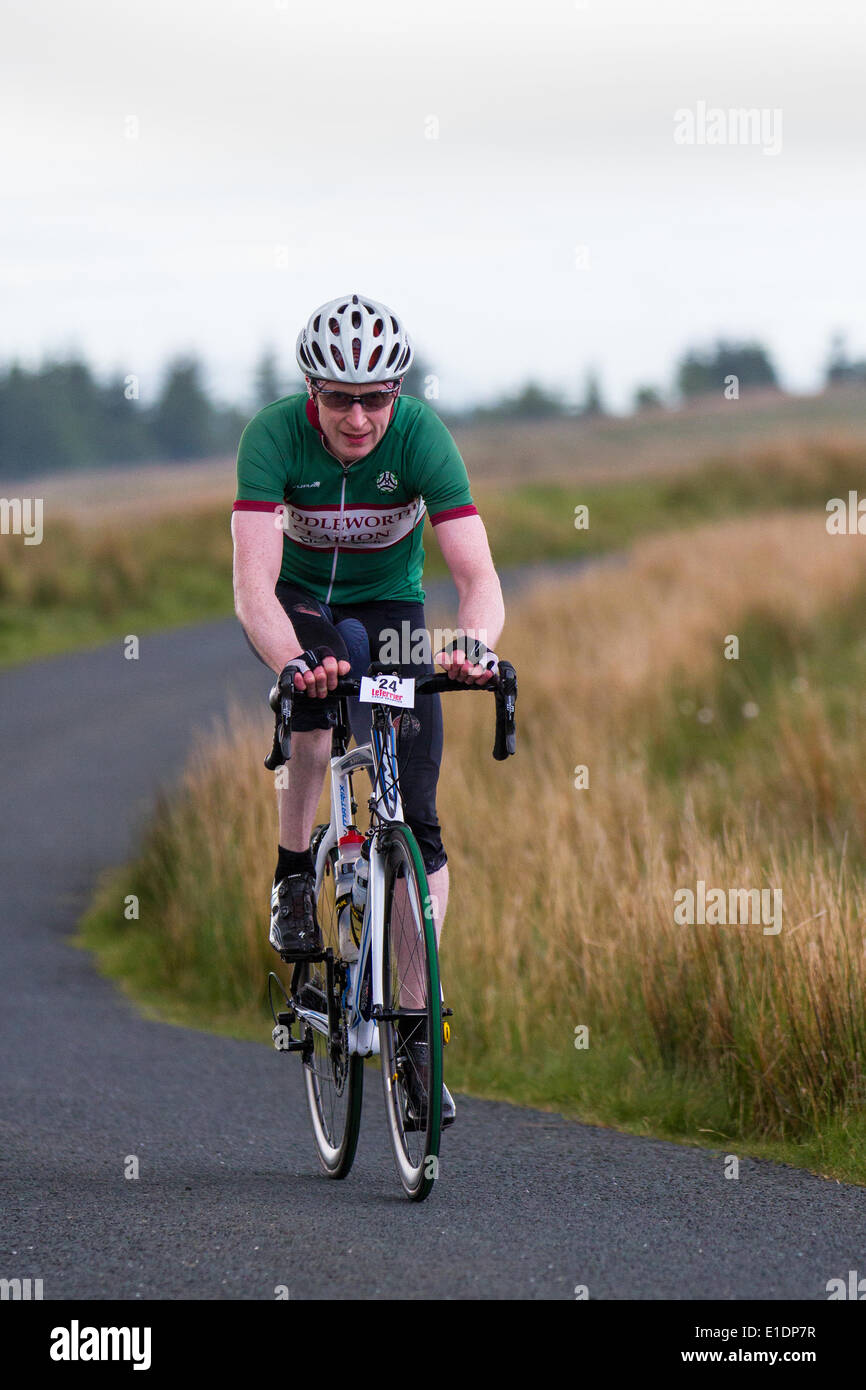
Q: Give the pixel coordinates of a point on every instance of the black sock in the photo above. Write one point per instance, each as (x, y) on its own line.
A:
(293, 861)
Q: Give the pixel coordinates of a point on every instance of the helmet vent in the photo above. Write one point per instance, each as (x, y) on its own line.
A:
(394, 324)
(318, 351)
(334, 325)
(338, 357)
(356, 319)
(316, 321)
(377, 328)
(356, 350)
(374, 357)
(393, 355)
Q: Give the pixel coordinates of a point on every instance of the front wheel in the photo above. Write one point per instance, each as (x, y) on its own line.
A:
(333, 1078)
(410, 1030)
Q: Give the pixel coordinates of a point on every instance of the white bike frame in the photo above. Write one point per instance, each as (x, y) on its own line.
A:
(381, 762)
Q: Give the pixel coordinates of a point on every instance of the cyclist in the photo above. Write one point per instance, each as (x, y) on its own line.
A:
(333, 487)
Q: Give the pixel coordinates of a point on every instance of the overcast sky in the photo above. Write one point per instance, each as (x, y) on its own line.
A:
(202, 173)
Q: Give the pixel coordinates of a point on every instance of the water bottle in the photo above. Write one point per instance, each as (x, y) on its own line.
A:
(359, 891)
(350, 849)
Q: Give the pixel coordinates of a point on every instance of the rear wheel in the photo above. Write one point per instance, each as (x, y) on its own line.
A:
(333, 1078)
(412, 1011)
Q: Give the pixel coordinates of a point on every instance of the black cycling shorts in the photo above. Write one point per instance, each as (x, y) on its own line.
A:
(358, 632)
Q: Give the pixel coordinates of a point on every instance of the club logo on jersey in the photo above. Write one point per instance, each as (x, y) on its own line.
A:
(386, 482)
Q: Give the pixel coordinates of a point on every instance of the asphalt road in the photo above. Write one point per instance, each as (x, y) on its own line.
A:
(230, 1202)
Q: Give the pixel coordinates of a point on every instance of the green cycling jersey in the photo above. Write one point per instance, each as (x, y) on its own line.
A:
(352, 532)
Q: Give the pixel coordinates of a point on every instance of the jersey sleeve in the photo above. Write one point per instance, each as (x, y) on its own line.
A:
(440, 473)
(261, 471)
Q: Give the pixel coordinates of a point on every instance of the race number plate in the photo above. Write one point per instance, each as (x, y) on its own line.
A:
(388, 690)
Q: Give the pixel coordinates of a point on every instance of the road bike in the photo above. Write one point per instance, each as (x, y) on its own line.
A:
(338, 1011)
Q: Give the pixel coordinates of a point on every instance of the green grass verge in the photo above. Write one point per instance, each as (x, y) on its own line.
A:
(536, 520)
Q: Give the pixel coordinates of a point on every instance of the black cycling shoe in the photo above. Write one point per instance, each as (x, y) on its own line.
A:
(414, 1085)
(295, 932)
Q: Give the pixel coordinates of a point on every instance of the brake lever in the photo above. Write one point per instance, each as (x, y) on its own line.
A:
(280, 701)
(505, 694)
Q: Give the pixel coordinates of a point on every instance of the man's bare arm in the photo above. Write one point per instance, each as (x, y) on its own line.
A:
(258, 542)
(257, 563)
(481, 612)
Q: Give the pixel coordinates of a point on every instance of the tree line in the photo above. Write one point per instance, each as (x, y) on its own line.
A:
(59, 415)
(698, 373)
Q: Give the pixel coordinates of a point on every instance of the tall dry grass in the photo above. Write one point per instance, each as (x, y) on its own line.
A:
(563, 902)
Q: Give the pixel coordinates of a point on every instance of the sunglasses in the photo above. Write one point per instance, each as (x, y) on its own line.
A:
(343, 401)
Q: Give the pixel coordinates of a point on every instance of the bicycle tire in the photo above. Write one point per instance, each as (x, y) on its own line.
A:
(415, 1148)
(334, 1087)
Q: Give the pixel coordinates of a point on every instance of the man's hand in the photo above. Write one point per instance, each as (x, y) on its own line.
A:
(323, 678)
(320, 673)
(460, 668)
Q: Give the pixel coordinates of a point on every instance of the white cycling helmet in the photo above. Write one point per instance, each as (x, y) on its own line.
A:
(354, 339)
